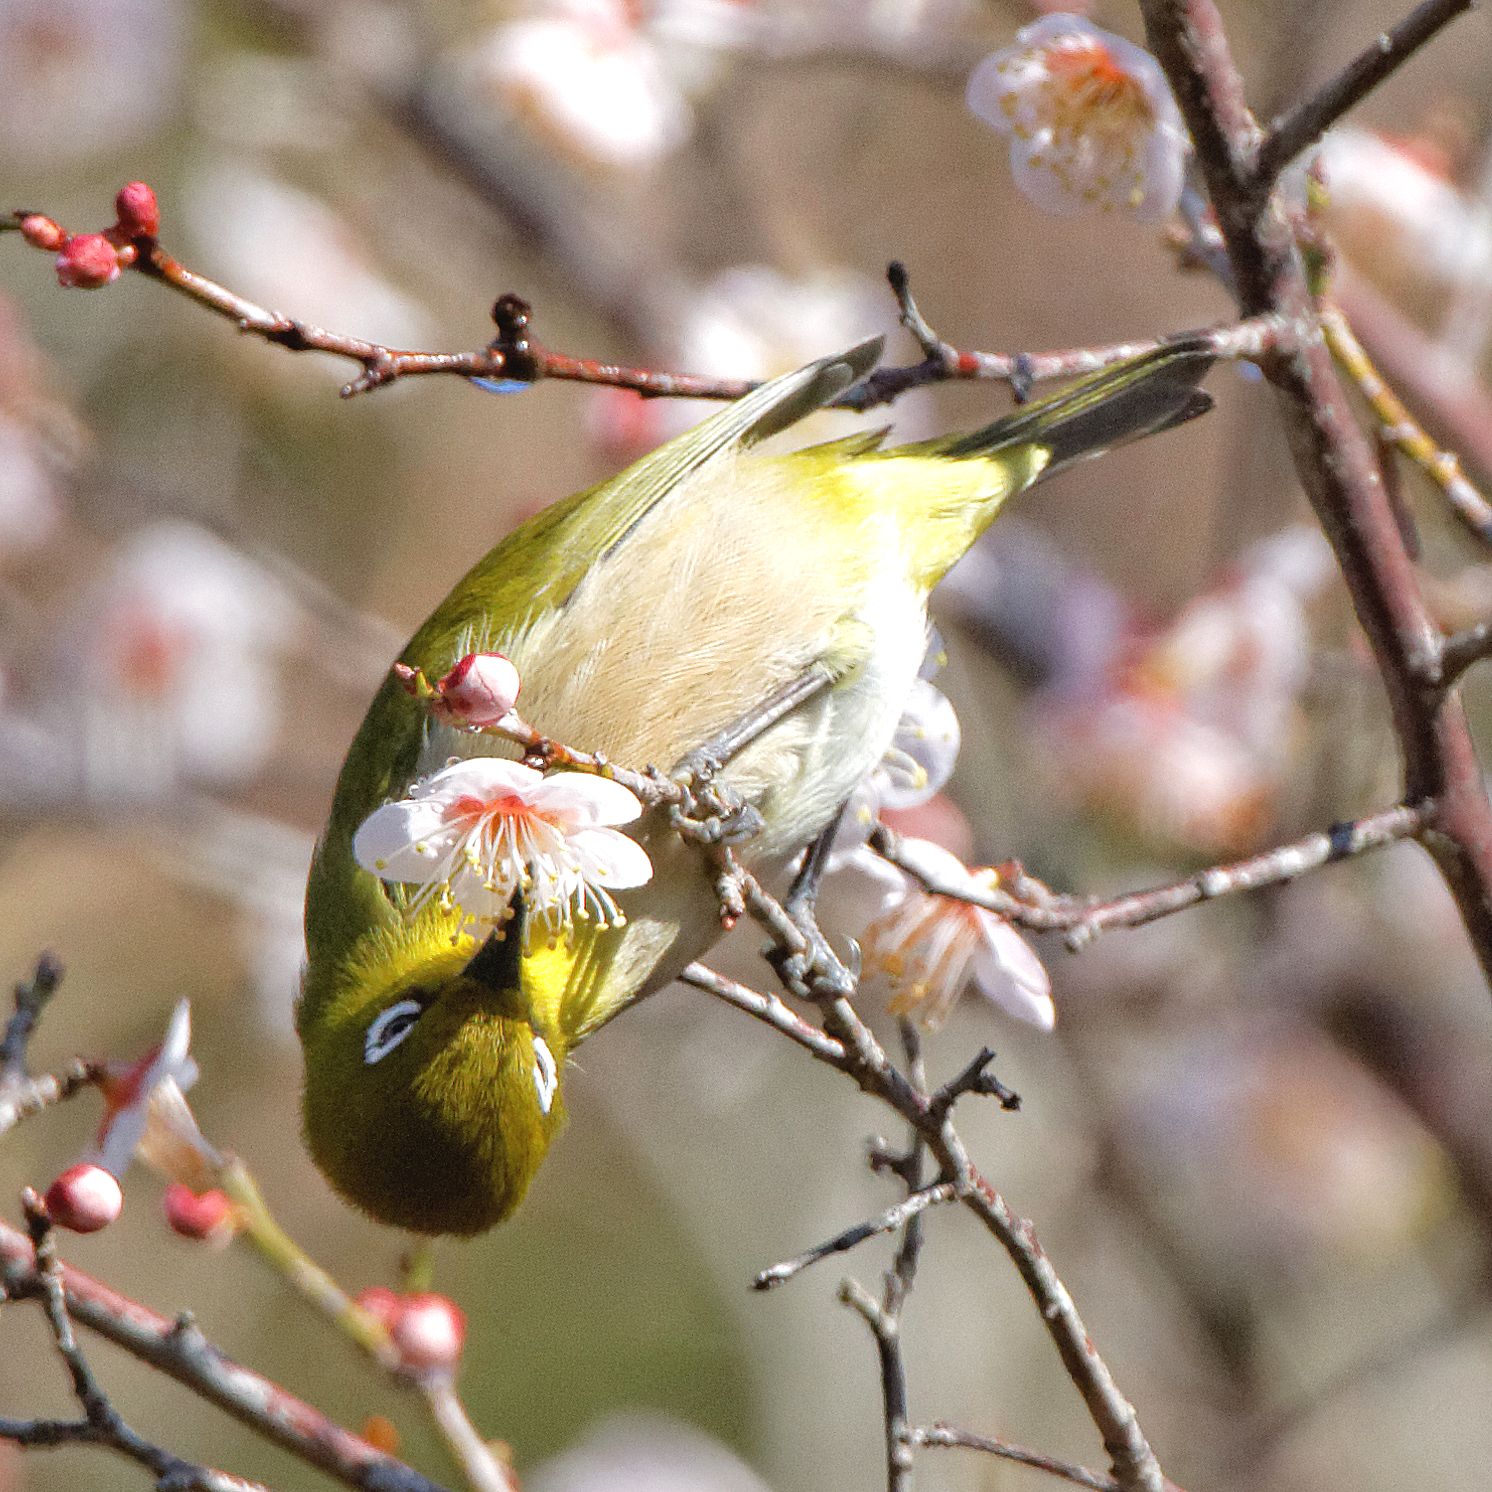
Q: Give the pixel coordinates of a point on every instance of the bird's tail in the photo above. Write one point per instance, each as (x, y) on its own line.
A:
(1150, 393)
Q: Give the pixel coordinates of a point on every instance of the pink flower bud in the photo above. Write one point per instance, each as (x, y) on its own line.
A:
(480, 690)
(379, 1302)
(84, 1198)
(139, 214)
(206, 1216)
(428, 1330)
(87, 262)
(41, 232)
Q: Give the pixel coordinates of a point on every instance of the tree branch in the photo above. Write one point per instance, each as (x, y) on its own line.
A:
(948, 1436)
(1334, 460)
(179, 1350)
(1304, 124)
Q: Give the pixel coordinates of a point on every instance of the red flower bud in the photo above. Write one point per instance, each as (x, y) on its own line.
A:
(41, 232)
(428, 1330)
(87, 262)
(379, 1302)
(206, 1216)
(139, 213)
(480, 690)
(84, 1198)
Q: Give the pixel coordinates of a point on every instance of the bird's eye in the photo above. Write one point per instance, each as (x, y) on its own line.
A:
(388, 1028)
(546, 1074)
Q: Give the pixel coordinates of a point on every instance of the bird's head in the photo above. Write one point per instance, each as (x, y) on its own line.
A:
(432, 1091)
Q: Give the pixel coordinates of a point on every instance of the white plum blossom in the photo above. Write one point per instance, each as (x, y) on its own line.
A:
(929, 948)
(915, 768)
(923, 750)
(476, 833)
(1091, 120)
(145, 1111)
(174, 657)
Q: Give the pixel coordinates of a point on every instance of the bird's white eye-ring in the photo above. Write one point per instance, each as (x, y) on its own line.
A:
(546, 1074)
(388, 1028)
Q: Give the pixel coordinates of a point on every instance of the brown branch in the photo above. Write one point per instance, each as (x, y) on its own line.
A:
(1274, 867)
(1334, 460)
(885, 1329)
(890, 1220)
(515, 356)
(1459, 652)
(31, 997)
(809, 968)
(19, 1100)
(101, 1425)
(948, 1436)
(180, 1351)
(1304, 124)
(1082, 919)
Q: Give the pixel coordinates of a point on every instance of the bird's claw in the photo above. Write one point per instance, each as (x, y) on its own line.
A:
(707, 812)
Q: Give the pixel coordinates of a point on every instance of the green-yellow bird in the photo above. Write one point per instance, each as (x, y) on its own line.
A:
(647, 616)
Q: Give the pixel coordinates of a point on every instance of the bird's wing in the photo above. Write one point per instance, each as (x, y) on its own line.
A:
(499, 598)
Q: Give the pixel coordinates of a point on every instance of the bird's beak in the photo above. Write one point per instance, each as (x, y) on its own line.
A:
(498, 964)
(495, 965)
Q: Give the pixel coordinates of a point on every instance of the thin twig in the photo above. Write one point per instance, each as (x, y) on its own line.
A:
(1083, 919)
(179, 1350)
(483, 1470)
(19, 1100)
(101, 1424)
(1459, 652)
(885, 1328)
(765, 1007)
(1274, 867)
(1402, 430)
(942, 1435)
(31, 996)
(891, 1219)
(515, 356)
(1304, 124)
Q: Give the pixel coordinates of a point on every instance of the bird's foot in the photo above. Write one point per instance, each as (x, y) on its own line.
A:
(705, 811)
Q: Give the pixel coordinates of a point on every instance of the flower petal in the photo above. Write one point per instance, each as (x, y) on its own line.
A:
(928, 737)
(478, 777)
(607, 857)
(404, 841)
(1007, 971)
(584, 800)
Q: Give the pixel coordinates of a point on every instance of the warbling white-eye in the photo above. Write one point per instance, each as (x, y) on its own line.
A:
(646, 616)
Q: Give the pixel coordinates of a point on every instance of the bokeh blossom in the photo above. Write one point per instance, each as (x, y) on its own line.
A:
(754, 321)
(1396, 211)
(1187, 734)
(174, 658)
(588, 78)
(1091, 120)
(476, 833)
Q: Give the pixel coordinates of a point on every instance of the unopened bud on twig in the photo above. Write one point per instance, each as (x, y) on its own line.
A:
(84, 1198)
(41, 232)
(480, 690)
(87, 262)
(429, 1331)
(208, 1217)
(139, 213)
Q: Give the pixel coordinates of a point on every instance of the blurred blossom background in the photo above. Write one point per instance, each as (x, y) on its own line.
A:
(1258, 1144)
